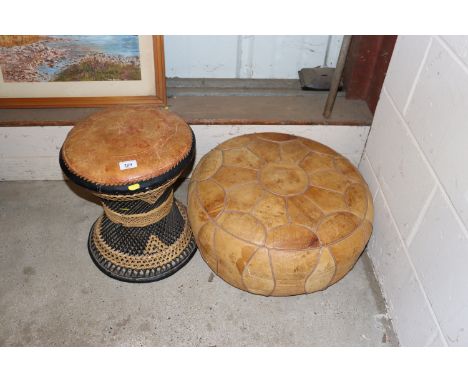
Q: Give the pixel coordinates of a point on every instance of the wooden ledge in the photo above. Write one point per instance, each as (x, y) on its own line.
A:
(220, 110)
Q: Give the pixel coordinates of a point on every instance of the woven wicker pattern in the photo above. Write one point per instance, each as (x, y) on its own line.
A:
(157, 253)
(150, 196)
(141, 220)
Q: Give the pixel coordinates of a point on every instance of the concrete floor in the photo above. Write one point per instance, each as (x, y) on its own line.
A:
(52, 294)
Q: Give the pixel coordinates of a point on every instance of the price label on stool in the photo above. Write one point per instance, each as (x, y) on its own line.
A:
(128, 164)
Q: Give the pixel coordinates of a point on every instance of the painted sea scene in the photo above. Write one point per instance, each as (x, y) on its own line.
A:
(61, 58)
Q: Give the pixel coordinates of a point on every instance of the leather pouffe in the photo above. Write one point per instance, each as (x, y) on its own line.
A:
(130, 157)
(276, 214)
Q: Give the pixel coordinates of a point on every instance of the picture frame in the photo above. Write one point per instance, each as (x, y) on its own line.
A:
(158, 98)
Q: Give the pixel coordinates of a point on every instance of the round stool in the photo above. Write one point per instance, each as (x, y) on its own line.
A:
(275, 214)
(130, 158)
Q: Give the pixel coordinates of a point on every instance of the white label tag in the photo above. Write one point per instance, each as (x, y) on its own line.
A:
(128, 164)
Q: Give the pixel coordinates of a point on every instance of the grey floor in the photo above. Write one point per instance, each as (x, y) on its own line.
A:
(52, 294)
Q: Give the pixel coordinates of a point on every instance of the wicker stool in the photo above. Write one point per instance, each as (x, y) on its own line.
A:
(130, 158)
(275, 214)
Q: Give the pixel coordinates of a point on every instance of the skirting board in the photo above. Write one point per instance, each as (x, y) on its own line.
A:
(31, 152)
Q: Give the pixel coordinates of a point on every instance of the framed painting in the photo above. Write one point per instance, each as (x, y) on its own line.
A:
(81, 70)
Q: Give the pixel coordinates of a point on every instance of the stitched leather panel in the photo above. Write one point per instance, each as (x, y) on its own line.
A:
(128, 144)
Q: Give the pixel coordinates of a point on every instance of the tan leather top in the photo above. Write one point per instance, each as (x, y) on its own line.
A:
(122, 145)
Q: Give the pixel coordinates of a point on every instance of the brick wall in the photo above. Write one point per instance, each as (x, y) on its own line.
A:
(415, 162)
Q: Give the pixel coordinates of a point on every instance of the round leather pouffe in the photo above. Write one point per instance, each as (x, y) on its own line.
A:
(276, 214)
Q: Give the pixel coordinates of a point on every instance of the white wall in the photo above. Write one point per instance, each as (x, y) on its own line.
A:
(248, 56)
(415, 163)
(31, 152)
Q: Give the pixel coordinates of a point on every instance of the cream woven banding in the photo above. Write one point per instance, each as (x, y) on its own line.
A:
(144, 219)
(150, 196)
(156, 254)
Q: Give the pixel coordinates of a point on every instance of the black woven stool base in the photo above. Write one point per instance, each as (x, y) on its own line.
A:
(142, 254)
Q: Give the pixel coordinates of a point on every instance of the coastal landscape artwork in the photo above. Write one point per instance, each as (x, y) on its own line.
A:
(50, 71)
(53, 58)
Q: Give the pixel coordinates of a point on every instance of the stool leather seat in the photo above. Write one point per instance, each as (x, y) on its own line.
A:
(156, 139)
